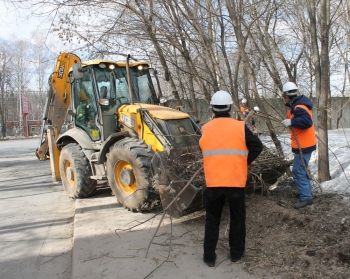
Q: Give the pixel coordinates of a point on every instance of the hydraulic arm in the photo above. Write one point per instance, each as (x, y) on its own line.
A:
(56, 108)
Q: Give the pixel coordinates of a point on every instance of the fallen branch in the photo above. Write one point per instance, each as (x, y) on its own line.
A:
(170, 204)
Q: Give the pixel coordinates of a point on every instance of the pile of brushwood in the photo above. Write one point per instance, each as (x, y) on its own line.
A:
(186, 165)
(265, 170)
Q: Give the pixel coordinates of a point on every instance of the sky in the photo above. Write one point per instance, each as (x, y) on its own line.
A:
(20, 24)
(339, 161)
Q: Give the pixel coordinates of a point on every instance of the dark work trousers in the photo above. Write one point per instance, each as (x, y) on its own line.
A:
(215, 201)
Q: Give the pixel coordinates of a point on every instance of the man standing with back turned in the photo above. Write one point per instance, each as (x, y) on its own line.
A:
(303, 136)
(228, 147)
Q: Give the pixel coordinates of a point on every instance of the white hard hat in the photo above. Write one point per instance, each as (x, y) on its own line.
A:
(290, 89)
(221, 98)
(244, 101)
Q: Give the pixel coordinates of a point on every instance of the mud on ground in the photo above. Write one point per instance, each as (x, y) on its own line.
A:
(313, 242)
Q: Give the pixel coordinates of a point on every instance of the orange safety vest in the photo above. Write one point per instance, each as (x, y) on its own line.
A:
(225, 154)
(245, 111)
(306, 137)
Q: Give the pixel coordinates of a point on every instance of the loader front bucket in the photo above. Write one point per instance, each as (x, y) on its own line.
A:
(172, 172)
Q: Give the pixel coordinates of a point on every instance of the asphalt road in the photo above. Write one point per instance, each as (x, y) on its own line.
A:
(36, 216)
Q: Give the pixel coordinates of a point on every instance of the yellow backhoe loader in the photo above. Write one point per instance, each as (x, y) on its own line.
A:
(117, 133)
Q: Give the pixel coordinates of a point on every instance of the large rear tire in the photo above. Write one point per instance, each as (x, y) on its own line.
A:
(75, 172)
(128, 173)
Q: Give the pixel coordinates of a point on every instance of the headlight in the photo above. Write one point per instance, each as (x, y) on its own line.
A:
(142, 67)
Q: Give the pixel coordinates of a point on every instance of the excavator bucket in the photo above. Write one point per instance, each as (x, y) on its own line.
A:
(172, 172)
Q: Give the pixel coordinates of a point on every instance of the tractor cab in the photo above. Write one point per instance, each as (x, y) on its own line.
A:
(101, 87)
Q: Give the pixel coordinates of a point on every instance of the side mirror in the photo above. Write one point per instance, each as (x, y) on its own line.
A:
(104, 102)
(77, 71)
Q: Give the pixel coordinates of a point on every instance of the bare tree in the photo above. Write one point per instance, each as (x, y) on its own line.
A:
(236, 11)
(321, 64)
(248, 48)
(5, 82)
(41, 61)
(21, 75)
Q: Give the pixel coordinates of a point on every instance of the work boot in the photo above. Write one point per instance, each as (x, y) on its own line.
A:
(301, 204)
(235, 259)
(210, 262)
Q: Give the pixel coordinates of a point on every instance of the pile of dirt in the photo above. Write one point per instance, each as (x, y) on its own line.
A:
(313, 242)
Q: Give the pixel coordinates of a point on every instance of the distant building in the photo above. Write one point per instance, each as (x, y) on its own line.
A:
(12, 128)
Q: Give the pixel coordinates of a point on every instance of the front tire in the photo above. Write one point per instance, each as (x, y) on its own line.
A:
(75, 172)
(128, 173)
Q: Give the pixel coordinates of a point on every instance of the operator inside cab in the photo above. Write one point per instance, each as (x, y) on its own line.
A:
(85, 114)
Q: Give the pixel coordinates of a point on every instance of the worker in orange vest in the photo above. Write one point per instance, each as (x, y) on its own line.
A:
(244, 108)
(228, 147)
(303, 136)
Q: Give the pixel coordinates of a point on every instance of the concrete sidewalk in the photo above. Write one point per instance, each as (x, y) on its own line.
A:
(111, 242)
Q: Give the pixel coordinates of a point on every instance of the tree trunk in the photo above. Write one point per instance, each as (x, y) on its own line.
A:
(323, 163)
(322, 83)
